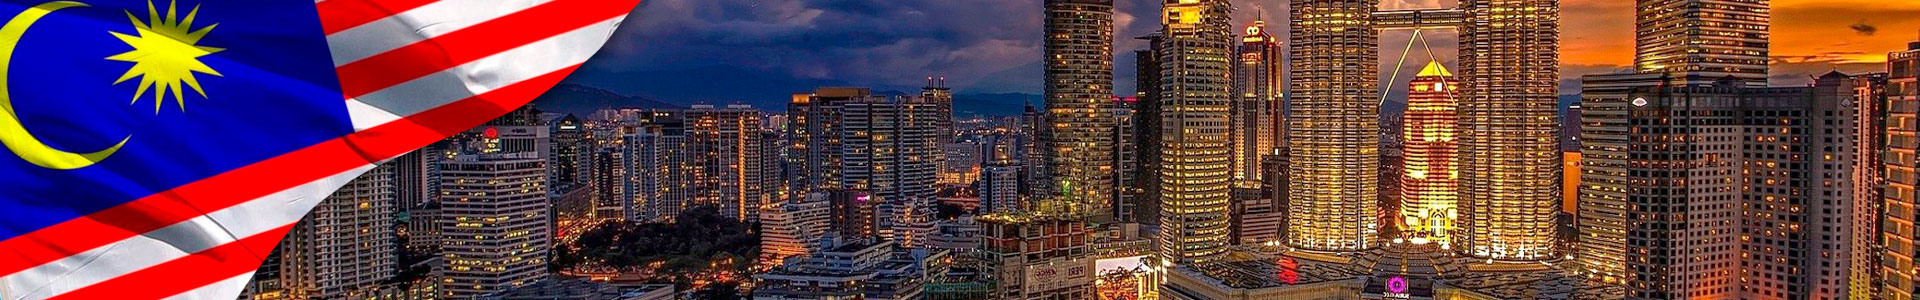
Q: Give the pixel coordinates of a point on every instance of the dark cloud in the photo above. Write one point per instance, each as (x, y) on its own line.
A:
(1863, 28)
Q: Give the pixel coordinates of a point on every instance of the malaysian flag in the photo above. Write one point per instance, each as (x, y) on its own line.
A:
(161, 148)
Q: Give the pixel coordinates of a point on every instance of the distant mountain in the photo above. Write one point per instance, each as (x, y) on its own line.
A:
(722, 85)
(581, 99)
(1002, 104)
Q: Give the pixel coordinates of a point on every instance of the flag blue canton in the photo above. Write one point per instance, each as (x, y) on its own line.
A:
(275, 91)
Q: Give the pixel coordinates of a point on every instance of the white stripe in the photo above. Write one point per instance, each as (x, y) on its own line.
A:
(225, 289)
(418, 24)
(487, 74)
(174, 241)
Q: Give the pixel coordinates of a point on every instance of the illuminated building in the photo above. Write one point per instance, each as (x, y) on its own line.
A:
(493, 222)
(1195, 156)
(1903, 103)
(1797, 191)
(726, 149)
(1079, 101)
(1126, 198)
(1395, 270)
(1038, 255)
(885, 148)
(790, 228)
(1869, 184)
(1333, 129)
(1730, 191)
(999, 189)
(345, 247)
(1256, 120)
(1430, 180)
(1510, 166)
(1711, 38)
(569, 154)
(850, 269)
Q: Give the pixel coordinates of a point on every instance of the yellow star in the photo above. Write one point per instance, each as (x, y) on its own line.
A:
(165, 55)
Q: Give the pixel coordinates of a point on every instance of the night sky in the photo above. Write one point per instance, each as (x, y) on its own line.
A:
(760, 51)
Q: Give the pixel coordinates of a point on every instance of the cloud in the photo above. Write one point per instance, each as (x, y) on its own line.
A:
(1863, 28)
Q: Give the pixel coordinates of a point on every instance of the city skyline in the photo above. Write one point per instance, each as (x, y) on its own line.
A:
(1692, 175)
(896, 56)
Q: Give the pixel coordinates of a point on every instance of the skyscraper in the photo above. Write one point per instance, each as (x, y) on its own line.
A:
(1796, 191)
(1256, 108)
(1146, 135)
(1430, 180)
(1869, 185)
(1678, 161)
(1711, 38)
(1509, 133)
(881, 149)
(1903, 98)
(344, 248)
(493, 222)
(1332, 131)
(725, 147)
(1195, 162)
(1079, 95)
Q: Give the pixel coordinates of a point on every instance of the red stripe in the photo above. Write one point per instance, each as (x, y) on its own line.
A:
(186, 273)
(340, 15)
(266, 177)
(475, 42)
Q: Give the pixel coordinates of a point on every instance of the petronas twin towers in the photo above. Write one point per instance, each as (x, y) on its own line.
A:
(1510, 168)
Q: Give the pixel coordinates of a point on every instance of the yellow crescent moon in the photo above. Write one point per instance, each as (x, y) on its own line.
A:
(12, 133)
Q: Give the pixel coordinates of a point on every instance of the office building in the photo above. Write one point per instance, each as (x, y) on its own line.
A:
(1256, 120)
(1195, 158)
(494, 222)
(1510, 166)
(1146, 131)
(1710, 38)
(1430, 180)
(1869, 184)
(1332, 129)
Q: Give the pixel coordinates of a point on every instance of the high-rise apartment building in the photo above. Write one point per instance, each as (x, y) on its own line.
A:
(882, 148)
(1079, 101)
(725, 145)
(1195, 156)
(1332, 130)
(1256, 120)
(345, 247)
(1711, 38)
(1430, 180)
(1903, 103)
(1509, 133)
(494, 222)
